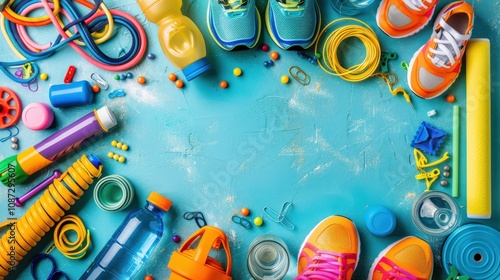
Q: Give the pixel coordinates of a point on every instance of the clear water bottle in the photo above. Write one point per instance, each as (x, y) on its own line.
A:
(132, 243)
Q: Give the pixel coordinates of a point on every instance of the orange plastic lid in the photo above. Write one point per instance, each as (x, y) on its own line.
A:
(160, 201)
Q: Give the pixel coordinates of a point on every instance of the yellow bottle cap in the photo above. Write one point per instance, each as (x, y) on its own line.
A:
(160, 201)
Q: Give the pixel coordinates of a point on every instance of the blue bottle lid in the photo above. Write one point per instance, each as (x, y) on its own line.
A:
(473, 250)
(196, 68)
(96, 162)
(380, 220)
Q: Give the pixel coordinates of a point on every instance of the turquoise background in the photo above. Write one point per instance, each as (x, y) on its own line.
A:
(331, 147)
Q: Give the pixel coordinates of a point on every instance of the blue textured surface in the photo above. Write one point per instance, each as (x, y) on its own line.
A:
(330, 147)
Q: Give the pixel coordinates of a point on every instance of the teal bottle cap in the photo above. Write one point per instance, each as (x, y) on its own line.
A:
(380, 220)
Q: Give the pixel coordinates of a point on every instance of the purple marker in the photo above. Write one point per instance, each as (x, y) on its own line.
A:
(55, 146)
(19, 201)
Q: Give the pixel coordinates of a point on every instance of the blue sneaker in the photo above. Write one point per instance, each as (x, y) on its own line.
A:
(233, 23)
(293, 23)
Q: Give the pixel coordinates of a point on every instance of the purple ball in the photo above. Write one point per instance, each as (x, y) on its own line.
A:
(176, 238)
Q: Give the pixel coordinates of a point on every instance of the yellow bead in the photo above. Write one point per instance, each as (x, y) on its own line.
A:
(121, 159)
(119, 145)
(113, 143)
(124, 147)
(44, 76)
(116, 157)
(237, 71)
(111, 154)
(258, 221)
(284, 79)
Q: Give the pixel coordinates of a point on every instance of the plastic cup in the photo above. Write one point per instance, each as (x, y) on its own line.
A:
(268, 258)
(350, 7)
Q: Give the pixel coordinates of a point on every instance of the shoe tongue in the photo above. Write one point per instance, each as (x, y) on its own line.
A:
(231, 4)
(457, 37)
(291, 2)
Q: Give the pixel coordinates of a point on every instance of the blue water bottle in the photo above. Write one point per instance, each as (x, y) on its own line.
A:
(132, 243)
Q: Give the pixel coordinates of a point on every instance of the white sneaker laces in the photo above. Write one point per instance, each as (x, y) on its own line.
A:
(449, 43)
(417, 5)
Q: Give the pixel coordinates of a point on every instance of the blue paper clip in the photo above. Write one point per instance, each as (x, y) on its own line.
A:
(197, 217)
(281, 216)
(242, 221)
(116, 93)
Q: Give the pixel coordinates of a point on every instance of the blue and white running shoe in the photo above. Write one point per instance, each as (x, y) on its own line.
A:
(233, 23)
(293, 23)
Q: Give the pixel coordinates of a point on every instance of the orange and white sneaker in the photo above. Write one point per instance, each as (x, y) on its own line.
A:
(402, 18)
(436, 65)
(330, 251)
(409, 258)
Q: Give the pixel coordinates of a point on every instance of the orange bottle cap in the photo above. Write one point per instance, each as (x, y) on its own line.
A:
(160, 201)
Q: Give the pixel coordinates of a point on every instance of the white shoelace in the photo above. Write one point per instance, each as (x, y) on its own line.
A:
(417, 5)
(449, 43)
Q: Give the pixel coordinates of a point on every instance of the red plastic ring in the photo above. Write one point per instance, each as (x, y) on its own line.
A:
(10, 107)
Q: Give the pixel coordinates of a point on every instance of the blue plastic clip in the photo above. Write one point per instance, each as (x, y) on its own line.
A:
(116, 93)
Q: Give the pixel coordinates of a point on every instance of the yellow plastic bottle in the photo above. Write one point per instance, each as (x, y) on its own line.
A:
(180, 38)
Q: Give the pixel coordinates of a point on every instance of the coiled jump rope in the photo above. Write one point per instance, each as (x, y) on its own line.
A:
(47, 211)
(83, 33)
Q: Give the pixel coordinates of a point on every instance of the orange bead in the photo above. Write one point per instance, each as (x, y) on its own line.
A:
(148, 277)
(179, 84)
(274, 55)
(245, 211)
(223, 84)
(172, 77)
(141, 80)
(450, 98)
(95, 88)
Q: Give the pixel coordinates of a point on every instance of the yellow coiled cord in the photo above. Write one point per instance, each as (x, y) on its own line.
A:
(329, 61)
(77, 248)
(46, 211)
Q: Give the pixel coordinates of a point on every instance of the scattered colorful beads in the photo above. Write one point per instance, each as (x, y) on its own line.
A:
(95, 88)
(450, 98)
(443, 183)
(274, 55)
(129, 75)
(14, 145)
(258, 221)
(268, 63)
(44, 76)
(113, 143)
(446, 174)
(124, 147)
(119, 145)
(223, 84)
(446, 168)
(237, 72)
(245, 211)
(123, 77)
(172, 77)
(284, 79)
(176, 238)
(149, 277)
(116, 77)
(179, 84)
(264, 47)
(141, 80)
(111, 154)
(116, 156)
(121, 159)
(151, 56)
